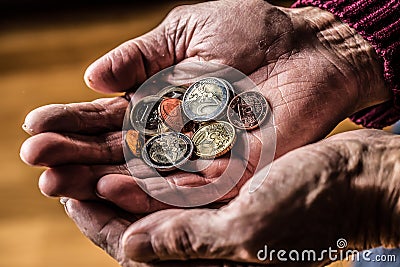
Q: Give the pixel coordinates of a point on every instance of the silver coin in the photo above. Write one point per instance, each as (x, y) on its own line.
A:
(167, 151)
(206, 99)
(145, 117)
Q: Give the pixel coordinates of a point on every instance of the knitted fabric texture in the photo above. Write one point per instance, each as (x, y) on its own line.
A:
(378, 22)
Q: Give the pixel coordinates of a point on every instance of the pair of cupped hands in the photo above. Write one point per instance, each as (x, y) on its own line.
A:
(314, 71)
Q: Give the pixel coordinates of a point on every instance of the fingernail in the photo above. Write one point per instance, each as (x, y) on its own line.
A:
(99, 195)
(26, 128)
(138, 247)
(64, 200)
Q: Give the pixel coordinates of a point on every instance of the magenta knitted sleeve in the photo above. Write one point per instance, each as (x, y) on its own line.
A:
(378, 22)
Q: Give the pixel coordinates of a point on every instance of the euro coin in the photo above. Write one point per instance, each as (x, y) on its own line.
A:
(171, 113)
(247, 110)
(167, 151)
(134, 141)
(145, 117)
(206, 99)
(214, 139)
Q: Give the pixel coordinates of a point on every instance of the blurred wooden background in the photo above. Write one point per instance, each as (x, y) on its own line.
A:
(43, 53)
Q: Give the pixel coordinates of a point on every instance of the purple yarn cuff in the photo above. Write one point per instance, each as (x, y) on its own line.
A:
(378, 22)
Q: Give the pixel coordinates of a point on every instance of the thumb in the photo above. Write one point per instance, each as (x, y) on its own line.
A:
(131, 63)
(179, 235)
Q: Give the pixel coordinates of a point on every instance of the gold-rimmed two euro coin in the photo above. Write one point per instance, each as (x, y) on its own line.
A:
(206, 99)
(167, 151)
(214, 139)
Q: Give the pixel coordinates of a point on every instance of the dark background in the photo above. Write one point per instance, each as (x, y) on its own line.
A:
(37, 12)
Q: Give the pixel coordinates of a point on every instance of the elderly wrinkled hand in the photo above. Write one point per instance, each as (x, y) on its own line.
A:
(314, 71)
(310, 66)
(312, 197)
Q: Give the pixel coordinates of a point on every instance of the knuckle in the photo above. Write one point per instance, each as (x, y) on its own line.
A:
(112, 146)
(109, 240)
(178, 11)
(179, 241)
(122, 169)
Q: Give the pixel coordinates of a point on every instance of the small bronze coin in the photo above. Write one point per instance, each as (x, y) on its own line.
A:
(170, 110)
(135, 142)
(172, 91)
(247, 110)
(206, 99)
(167, 151)
(145, 117)
(214, 139)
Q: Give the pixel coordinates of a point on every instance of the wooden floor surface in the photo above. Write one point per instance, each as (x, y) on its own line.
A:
(43, 64)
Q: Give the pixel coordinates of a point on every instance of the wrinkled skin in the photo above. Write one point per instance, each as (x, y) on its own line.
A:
(313, 196)
(313, 69)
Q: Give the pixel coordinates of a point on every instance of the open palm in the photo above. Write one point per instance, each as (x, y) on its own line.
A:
(310, 85)
(298, 58)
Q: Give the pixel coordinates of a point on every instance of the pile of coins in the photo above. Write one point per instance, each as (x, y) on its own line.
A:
(200, 121)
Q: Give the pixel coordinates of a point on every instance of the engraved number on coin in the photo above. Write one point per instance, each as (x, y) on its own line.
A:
(214, 139)
(207, 105)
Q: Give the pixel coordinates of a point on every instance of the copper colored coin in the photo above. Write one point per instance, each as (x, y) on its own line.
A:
(247, 110)
(171, 113)
(134, 141)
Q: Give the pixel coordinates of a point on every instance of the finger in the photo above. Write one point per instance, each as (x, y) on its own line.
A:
(79, 181)
(128, 194)
(101, 115)
(191, 234)
(131, 63)
(115, 183)
(157, 193)
(123, 191)
(76, 181)
(179, 235)
(52, 149)
(104, 227)
(214, 180)
(100, 223)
